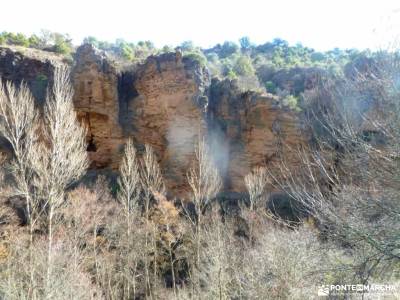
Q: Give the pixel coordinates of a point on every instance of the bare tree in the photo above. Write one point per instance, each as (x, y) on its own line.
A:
(128, 196)
(348, 176)
(205, 182)
(203, 178)
(255, 183)
(19, 125)
(219, 256)
(49, 155)
(129, 180)
(61, 156)
(152, 182)
(151, 176)
(69, 279)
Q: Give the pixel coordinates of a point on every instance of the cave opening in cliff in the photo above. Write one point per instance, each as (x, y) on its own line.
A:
(91, 147)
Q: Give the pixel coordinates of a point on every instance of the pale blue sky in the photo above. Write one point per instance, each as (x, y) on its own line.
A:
(322, 24)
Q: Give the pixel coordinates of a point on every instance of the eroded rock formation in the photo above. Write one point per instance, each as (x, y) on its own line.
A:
(31, 66)
(167, 102)
(96, 100)
(169, 112)
(249, 130)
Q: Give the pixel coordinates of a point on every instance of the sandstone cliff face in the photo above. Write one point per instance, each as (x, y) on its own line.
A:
(167, 103)
(254, 130)
(160, 103)
(169, 113)
(96, 102)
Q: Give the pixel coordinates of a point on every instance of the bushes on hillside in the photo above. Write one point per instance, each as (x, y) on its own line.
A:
(198, 57)
(348, 178)
(226, 60)
(243, 66)
(55, 42)
(228, 49)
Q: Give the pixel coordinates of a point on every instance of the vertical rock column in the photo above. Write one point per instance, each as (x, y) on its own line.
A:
(253, 131)
(169, 114)
(96, 101)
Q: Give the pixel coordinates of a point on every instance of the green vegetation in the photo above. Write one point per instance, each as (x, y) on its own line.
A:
(62, 44)
(270, 87)
(228, 49)
(198, 57)
(126, 51)
(245, 43)
(291, 102)
(243, 66)
(49, 41)
(277, 54)
(274, 67)
(14, 39)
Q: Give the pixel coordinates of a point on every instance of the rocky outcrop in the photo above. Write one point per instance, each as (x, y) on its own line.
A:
(95, 82)
(167, 111)
(167, 102)
(248, 130)
(160, 103)
(34, 67)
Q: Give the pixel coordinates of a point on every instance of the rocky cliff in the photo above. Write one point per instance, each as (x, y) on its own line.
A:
(249, 130)
(169, 112)
(95, 82)
(34, 67)
(166, 102)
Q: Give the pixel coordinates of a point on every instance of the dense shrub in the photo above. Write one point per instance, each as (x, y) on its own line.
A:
(243, 66)
(291, 102)
(245, 43)
(270, 87)
(228, 60)
(187, 46)
(227, 49)
(49, 41)
(198, 57)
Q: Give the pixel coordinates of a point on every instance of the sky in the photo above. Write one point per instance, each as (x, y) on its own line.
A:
(320, 24)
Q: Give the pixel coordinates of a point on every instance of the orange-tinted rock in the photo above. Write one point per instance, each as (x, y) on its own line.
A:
(167, 102)
(169, 113)
(160, 104)
(96, 101)
(253, 129)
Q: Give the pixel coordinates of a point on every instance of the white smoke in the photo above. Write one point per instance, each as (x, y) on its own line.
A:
(219, 150)
(181, 136)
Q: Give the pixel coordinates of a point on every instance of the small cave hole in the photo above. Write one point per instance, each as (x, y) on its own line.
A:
(91, 145)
